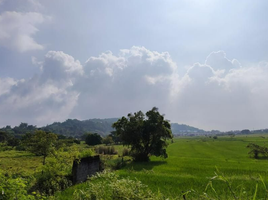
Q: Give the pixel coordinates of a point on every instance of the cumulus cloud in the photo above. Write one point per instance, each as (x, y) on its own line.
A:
(217, 94)
(221, 94)
(17, 30)
(129, 81)
(44, 98)
(61, 67)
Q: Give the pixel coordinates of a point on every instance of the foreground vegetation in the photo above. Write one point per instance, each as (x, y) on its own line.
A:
(200, 168)
(196, 168)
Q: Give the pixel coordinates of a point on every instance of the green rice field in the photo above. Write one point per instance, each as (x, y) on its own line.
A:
(192, 162)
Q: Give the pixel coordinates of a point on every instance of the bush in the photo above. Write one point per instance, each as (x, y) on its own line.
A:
(85, 153)
(49, 184)
(105, 150)
(125, 152)
(55, 174)
(115, 188)
(13, 188)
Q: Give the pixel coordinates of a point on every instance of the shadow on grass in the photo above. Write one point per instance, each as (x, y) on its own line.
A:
(261, 158)
(139, 166)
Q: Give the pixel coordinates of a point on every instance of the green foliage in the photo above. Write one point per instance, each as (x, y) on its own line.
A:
(40, 143)
(3, 136)
(48, 178)
(115, 137)
(13, 188)
(56, 172)
(20, 130)
(107, 140)
(192, 161)
(93, 139)
(146, 135)
(19, 162)
(48, 184)
(13, 142)
(85, 153)
(115, 188)
(255, 150)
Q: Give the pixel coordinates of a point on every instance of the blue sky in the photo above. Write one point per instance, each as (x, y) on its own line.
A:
(203, 63)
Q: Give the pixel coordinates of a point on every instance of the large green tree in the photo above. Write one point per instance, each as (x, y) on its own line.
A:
(145, 134)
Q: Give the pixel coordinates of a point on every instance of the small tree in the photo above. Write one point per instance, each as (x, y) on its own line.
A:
(107, 140)
(40, 143)
(146, 135)
(93, 139)
(256, 150)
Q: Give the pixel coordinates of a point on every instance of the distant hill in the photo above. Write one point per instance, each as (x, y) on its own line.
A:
(76, 128)
(184, 129)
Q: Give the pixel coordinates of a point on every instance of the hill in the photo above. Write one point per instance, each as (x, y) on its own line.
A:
(76, 128)
(178, 129)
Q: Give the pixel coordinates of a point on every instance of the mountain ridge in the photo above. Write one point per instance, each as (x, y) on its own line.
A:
(76, 128)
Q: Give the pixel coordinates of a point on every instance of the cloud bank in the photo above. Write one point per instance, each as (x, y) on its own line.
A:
(217, 94)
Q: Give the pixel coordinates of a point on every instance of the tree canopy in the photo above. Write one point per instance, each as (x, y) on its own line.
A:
(40, 143)
(255, 150)
(145, 134)
(93, 138)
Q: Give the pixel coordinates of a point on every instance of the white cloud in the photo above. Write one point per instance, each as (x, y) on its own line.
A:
(61, 66)
(217, 94)
(44, 98)
(17, 30)
(135, 79)
(235, 99)
(6, 84)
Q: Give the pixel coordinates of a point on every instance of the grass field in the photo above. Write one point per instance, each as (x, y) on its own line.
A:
(19, 162)
(193, 161)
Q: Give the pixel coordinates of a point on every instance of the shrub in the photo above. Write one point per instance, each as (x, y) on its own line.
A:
(55, 173)
(125, 152)
(49, 184)
(115, 188)
(86, 153)
(13, 188)
(110, 150)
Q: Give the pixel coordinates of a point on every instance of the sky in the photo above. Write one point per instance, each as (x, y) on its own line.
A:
(202, 63)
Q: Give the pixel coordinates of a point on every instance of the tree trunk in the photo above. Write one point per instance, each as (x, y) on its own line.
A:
(256, 154)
